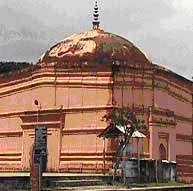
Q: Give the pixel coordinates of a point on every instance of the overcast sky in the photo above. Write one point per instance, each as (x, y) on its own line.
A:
(161, 28)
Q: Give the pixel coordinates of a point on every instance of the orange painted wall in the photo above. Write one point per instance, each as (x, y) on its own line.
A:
(72, 108)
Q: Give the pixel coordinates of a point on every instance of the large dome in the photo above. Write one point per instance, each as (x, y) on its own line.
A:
(94, 45)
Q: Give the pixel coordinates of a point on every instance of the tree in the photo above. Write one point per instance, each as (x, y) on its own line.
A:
(127, 119)
(9, 66)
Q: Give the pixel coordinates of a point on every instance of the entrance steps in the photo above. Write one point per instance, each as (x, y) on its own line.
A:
(75, 181)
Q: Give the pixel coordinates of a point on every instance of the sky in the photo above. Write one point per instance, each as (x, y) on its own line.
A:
(163, 29)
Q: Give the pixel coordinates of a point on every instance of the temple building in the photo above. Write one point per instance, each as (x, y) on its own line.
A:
(76, 82)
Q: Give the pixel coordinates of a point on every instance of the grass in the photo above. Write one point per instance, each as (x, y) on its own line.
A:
(171, 183)
(152, 184)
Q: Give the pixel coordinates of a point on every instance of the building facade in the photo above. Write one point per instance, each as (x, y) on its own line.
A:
(76, 82)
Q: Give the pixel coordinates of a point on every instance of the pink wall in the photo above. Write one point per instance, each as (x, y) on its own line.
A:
(183, 148)
(184, 128)
(167, 101)
(80, 104)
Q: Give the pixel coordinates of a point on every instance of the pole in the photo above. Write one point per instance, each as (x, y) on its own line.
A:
(104, 168)
(138, 160)
(36, 168)
(37, 117)
(40, 174)
(39, 165)
(156, 173)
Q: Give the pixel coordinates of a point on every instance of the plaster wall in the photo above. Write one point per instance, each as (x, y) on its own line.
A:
(133, 96)
(80, 104)
(10, 144)
(184, 127)
(77, 143)
(15, 102)
(12, 123)
(156, 141)
(164, 99)
(183, 148)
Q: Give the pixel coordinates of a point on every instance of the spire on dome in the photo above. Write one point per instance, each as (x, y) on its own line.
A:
(96, 21)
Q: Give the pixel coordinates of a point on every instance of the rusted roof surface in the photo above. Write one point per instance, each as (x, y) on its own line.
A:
(94, 45)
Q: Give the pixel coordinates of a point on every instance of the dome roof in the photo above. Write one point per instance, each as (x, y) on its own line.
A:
(94, 45)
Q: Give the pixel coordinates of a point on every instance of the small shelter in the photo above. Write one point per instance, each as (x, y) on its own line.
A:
(113, 131)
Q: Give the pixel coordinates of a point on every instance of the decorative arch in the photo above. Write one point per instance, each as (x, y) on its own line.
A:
(162, 152)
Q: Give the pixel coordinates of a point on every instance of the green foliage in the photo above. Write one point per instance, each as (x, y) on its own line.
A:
(6, 67)
(126, 118)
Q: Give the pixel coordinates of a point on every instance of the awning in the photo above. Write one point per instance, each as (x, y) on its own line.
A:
(110, 132)
(115, 130)
(138, 134)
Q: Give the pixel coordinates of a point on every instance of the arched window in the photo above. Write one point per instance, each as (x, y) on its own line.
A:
(162, 152)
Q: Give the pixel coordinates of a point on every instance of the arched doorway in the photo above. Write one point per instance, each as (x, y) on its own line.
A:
(162, 152)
